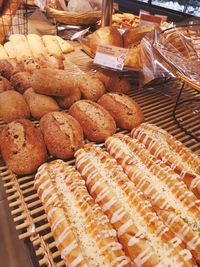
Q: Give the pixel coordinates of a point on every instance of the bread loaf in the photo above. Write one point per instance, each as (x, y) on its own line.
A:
(96, 122)
(5, 84)
(39, 104)
(22, 147)
(91, 87)
(68, 101)
(63, 135)
(145, 238)
(82, 232)
(113, 82)
(10, 67)
(21, 81)
(13, 106)
(169, 206)
(125, 111)
(105, 36)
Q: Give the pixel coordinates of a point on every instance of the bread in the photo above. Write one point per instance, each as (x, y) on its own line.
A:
(52, 45)
(91, 87)
(113, 82)
(105, 36)
(172, 152)
(125, 111)
(22, 147)
(133, 36)
(133, 58)
(82, 232)
(21, 81)
(158, 185)
(21, 47)
(9, 67)
(144, 237)
(96, 122)
(3, 54)
(68, 101)
(5, 84)
(13, 106)
(45, 81)
(39, 104)
(63, 135)
(9, 48)
(65, 46)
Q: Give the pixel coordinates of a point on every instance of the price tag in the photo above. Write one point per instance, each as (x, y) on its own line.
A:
(111, 56)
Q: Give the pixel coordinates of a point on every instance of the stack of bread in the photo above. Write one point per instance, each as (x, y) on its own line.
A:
(130, 39)
(143, 197)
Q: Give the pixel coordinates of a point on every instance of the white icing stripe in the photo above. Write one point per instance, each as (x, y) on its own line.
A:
(109, 204)
(143, 257)
(117, 215)
(124, 227)
(76, 262)
(66, 251)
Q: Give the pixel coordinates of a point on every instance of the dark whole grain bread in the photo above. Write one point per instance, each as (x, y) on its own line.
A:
(97, 123)
(63, 135)
(22, 147)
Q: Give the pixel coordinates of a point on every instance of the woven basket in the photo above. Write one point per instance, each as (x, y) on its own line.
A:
(74, 18)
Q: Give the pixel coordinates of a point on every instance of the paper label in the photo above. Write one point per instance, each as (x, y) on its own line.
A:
(111, 56)
(150, 19)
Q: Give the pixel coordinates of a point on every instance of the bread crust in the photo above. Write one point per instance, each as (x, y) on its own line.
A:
(22, 147)
(5, 84)
(68, 101)
(96, 122)
(125, 111)
(13, 106)
(9, 67)
(63, 135)
(21, 81)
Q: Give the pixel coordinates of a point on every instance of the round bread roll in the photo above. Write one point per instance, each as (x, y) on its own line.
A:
(105, 36)
(125, 111)
(22, 147)
(67, 101)
(133, 36)
(96, 122)
(5, 84)
(91, 87)
(13, 106)
(63, 135)
(113, 82)
(39, 104)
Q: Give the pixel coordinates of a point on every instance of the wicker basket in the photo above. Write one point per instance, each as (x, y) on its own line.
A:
(74, 18)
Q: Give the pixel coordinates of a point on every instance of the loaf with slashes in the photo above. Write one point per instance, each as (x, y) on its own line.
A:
(81, 231)
(145, 238)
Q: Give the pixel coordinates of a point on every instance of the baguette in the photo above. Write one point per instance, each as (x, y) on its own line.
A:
(22, 147)
(175, 216)
(172, 152)
(125, 111)
(63, 135)
(145, 238)
(82, 232)
(96, 122)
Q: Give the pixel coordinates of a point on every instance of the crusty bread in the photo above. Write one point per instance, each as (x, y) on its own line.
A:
(5, 84)
(145, 237)
(13, 106)
(39, 104)
(96, 122)
(68, 101)
(91, 87)
(133, 36)
(113, 82)
(125, 111)
(45, 81)
(63, 135)
(105, 36)
(9, 67)
(22, 147)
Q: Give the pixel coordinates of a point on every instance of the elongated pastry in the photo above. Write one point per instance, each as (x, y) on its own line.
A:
(166, 205)
(145, 238)
(8, 46)
(21, 47)
(3, 54)
(165, 147)
(65, 46)
(52, 45)
(82, 232)
(36, 45)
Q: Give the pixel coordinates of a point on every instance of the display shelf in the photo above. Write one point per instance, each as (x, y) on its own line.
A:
(157, 102)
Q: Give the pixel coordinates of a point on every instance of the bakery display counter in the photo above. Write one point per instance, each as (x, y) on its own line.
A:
(157, 102)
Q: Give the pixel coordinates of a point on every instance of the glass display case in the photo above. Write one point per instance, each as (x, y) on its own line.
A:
(193, 7)
(169, 4)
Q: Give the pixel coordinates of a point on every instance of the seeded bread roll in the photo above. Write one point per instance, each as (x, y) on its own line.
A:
(5, 84)
(91, 87)
(113, 82)
(40, 104)
(63, 135)
(22, 147)
(125, 111)
(67, 101)
(13, 106)
(105, 36)
(96, 122)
